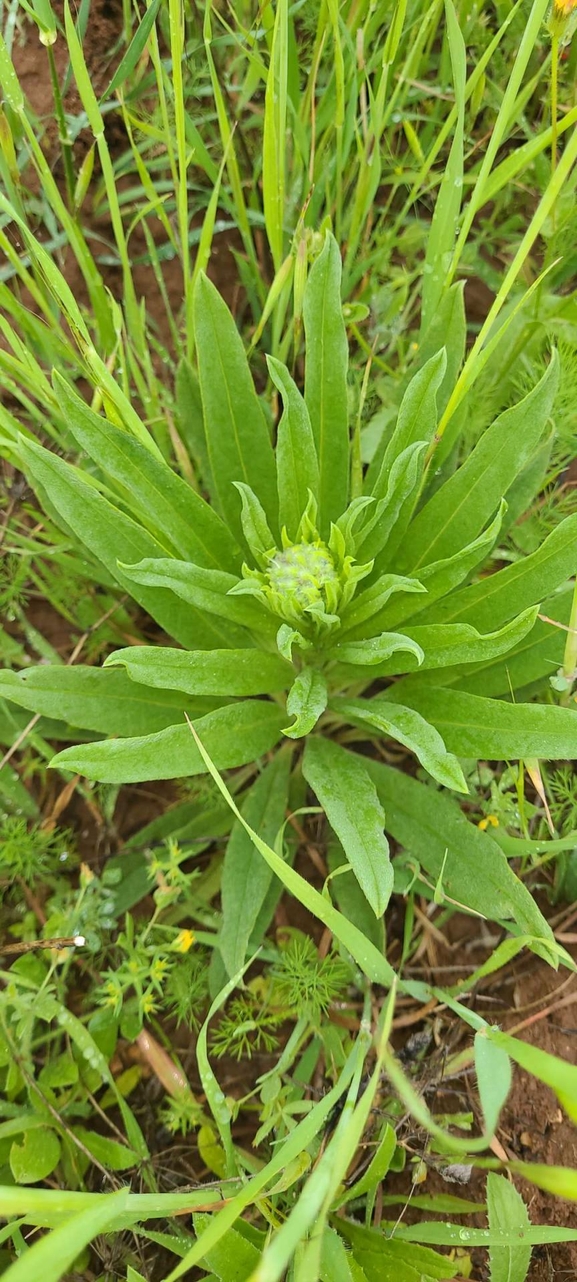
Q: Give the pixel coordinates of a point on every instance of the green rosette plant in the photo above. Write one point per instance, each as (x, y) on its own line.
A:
(320, 610)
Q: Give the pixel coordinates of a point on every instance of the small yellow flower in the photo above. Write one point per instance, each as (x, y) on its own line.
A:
(184, 940)
(490, 820)
(563, 8)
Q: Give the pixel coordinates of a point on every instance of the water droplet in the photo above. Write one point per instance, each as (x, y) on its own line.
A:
(464, 1235)
(486, 1233)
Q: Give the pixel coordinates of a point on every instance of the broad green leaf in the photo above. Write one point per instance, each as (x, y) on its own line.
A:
(237, 435)
(456, 514)
(488, 728)
(375, 650)
(208, 590)
(97, 699)
(495, 599)
(296, 456)
(472, 868)
(350, 802)
(203, 672)
(391, 1260)
(307, 700)
(234, 735)
(493, 1069)
(233, 1259)
(326, 380)
(557, 1073)
(52, 1255)
(110, 536)
(417, 419)
(506, 1208)
(531, 662)
(245, 876)
(445, 645)
(410, 729)
(164, 503)
(36, 1157)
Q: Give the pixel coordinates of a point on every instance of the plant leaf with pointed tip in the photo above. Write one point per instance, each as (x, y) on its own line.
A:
(456, 514)
(491, 729)
(494, 1077)
(326, 380)
(506, 1208)
(236, 735)
(296, 456)
(204, 672)
(449, 644)
(208, 590)
(246, 877)
(97, 699)
(349, 799)
(307, 700)
(475, 873)
(154, 493)
(407, 727)
(239, 446)
(110, 534)
(375, 650)
(255, 526)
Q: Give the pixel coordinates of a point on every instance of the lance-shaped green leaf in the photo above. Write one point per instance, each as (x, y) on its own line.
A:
(307, 700)
(359, 616)
(239, 446)
(506, 1208)
(388, 522)
(207, 590)
(190, 421)
(494, 1077)
(94, 699)
(204, 672)
(152, 491)
(489, 728)
(558, 1074)
(445, 645)
(388, 1258)
(441, 577)
(417, 419)
(255, 526)
(109, 534)
(409, 728)
(348, 797)
(456, 514)
(246, 877)
(237, 734)
(376, 650)
(296, 456)
(536, 658)
(326, 380)
(496, 598)
(467, 864)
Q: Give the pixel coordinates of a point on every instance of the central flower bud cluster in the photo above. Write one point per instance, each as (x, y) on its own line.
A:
(301, 575)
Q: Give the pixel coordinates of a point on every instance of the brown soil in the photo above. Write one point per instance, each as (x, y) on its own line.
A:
(532, 1127)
